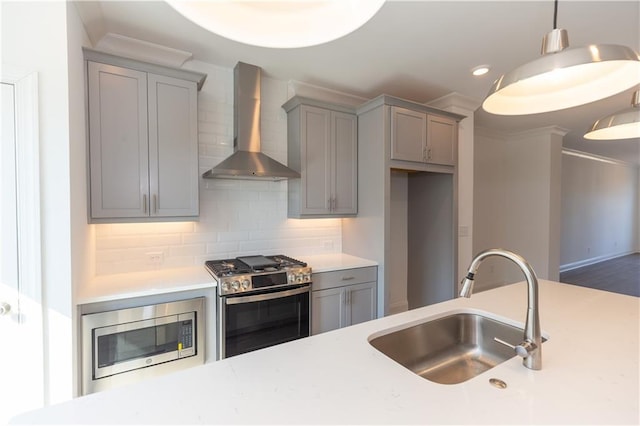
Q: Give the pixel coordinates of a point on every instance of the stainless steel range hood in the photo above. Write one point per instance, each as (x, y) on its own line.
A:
(247, 162)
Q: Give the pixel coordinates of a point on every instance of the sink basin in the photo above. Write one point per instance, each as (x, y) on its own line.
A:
(451, 349)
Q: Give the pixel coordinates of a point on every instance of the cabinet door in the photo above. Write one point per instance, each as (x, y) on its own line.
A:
(315, 128)
(361, 303)
(173, 146)
(345, 170)
(118, 143)
(327, 310)
(408, 134)
(441, 140)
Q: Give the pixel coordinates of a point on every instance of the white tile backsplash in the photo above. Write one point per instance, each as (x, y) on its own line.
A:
(236, 217)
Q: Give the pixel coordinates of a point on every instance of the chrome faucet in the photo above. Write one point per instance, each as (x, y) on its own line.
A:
(531, 348)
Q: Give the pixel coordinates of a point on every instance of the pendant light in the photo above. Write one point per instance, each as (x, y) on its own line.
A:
(564, 77)
(279, 23)
(623, 124)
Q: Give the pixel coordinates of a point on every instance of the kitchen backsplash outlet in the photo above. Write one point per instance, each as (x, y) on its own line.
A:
(236, 217)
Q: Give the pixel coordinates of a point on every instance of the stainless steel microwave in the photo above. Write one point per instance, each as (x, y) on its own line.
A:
(127, 345)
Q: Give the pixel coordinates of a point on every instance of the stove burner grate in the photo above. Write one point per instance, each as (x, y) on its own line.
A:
(251, 264)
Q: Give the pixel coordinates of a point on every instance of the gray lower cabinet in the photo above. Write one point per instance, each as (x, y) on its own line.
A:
(343, 298)
(420, 137)
(143, 142)
(322, 146)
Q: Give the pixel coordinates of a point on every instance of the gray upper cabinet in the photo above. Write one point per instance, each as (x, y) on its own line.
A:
(322, 146)
(408, 134)
(143, 149)
(442, 138)
(420, 137)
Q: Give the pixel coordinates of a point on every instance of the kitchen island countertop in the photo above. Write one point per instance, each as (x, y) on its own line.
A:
(589, 375)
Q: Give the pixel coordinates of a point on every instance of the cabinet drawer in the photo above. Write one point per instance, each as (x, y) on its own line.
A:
(331, 279)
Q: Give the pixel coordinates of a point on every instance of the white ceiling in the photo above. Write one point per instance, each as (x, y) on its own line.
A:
(418, 50)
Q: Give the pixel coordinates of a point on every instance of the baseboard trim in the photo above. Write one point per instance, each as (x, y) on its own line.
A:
(592, 261)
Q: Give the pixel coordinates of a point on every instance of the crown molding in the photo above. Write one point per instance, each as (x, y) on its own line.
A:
(142, 50)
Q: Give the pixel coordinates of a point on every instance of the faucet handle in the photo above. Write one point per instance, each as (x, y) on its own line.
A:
(522, 350)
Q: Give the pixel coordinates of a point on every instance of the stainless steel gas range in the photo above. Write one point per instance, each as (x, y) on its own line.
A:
(262, 301)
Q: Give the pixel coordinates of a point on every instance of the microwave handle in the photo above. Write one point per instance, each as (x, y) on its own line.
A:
(268, 296)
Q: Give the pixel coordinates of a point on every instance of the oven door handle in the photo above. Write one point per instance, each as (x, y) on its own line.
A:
(268, 296)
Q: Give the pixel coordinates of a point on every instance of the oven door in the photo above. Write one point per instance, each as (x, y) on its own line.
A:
(256, 321)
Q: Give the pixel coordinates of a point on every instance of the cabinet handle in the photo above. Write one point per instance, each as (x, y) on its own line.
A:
(348, 278)
(429, 154)
(155, 204)
(144, 203)
(424, 153)
(348, 297)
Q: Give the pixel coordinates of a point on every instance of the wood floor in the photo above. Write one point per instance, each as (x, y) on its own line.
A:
(620, 275)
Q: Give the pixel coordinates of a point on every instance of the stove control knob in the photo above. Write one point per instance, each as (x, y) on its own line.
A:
(235, 285)
(292, 278)
(225, 287)
(307, 277)
(245, 284)
(300, 278)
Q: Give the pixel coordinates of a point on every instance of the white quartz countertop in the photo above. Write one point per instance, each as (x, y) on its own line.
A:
(149, 283)
(335, 262)
(589, 375)
(105, 288)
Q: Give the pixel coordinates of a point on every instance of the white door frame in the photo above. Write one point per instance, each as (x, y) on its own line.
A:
(30, 309)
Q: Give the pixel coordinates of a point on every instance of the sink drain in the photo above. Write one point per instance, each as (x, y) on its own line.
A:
(500, 384)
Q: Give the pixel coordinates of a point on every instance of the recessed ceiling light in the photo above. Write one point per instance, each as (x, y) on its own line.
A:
(480, 70)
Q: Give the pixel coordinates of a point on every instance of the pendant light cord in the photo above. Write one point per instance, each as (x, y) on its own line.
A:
(555, 15)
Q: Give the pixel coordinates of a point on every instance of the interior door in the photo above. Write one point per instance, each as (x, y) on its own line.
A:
(21, 362)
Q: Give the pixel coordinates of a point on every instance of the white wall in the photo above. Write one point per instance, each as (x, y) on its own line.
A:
(45, 51)
(490, 202)
(599, 209)
(462, 105)
(236, 217)
(517, 202)
(82, 238)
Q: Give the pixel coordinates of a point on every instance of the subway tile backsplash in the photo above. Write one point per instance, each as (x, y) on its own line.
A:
(236, 217)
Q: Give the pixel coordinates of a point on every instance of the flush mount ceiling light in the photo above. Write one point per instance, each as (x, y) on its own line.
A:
(563, 77)
(281, 23)
(623, 124)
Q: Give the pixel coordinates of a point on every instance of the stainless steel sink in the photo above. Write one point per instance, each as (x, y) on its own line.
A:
(452, 349)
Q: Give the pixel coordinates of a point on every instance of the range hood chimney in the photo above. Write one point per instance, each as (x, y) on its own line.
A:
(247, 162)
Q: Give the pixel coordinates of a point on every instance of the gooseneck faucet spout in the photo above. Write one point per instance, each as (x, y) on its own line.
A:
(531, 348)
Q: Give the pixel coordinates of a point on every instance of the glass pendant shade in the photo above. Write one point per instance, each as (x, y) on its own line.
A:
(623, 124)
(564, 77)
(279, 23)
